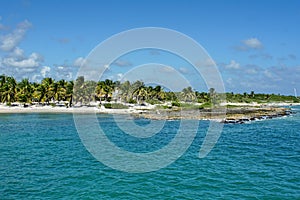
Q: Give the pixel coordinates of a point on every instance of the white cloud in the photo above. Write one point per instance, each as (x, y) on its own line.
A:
(106, 67)
(119, 76)
(45, 70)
(122, 63)
(251, 71)
(233, 65)
(36, 78)
(34, 60)
(229, 81)
(252, 43)
(26, 70)
(79, 62)
(19, 53)
(208, 62)
(10, 41)
(268, 74)
(167, 69)
(183, 70)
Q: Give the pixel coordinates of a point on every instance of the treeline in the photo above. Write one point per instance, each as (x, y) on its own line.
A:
(85, 91)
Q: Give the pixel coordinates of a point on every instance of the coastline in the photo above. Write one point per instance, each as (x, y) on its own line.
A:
(241, 112)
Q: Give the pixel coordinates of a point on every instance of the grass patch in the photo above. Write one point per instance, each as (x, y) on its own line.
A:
(132, 101)
(206, 105)
(175, 103)
(115, 106)
(163, 107)
(53, 104)
(153, 101)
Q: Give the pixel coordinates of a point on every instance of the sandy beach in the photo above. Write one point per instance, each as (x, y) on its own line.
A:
(51, 109)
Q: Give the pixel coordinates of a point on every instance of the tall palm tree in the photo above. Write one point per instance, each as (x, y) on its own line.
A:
(202, 97)
(61, 93)
(188, 94)
(124, 92)
(140, 94)
(88, 91)
(99, 90)
(2, 83)
(160, 94)
(69, 92)
(25, 91)
(47, 87)
(9, 89)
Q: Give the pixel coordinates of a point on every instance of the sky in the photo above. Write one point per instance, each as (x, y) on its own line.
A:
(254, 43)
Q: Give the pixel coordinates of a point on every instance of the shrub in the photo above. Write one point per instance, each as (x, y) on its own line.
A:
(115, 106)
(163, 107)
(175, 103)
(153, 101)
(132, 101)
(107, 105)
(205, 105)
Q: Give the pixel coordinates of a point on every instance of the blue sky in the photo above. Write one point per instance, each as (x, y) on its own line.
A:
(255, 44)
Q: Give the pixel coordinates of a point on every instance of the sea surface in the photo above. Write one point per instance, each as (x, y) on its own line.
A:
(42, 157)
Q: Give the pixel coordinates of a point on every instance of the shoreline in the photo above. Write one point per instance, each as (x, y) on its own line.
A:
(238, 114)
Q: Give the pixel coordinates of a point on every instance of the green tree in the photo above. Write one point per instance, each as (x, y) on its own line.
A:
(25, 91)
(9, 90)
(188, 94)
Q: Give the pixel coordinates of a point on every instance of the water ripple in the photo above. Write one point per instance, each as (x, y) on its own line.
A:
(42, 157)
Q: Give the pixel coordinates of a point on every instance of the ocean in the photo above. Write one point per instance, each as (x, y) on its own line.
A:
(42, 157)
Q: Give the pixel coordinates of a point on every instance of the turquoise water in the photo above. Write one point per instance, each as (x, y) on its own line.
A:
(42, 157)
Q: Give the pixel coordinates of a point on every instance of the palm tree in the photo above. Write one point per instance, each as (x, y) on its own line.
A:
(2, 83)
(77, 90)
(47, 89)
(89, 91)
(212, 92)
(25, 91)
(188, 94)
(159, 93)
(99, 90)
(41, 92)
(109, 88)
(213, 95)
(124, 92)
(104, 89)
(171, 96)
(2, 80)
(61, 93)
(202, 97)
(140, 93)
(9, 89)
(53, 91)
(69, 92)
(137, 89)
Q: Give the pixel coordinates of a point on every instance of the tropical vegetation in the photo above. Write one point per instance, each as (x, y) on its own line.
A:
(82, 92)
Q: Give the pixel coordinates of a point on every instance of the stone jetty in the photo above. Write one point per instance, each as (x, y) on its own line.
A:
(232, 115)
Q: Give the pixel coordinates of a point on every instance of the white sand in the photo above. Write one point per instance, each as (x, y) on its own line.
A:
(83, 109)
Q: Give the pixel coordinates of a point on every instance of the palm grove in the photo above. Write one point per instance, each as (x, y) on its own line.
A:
(49, 91)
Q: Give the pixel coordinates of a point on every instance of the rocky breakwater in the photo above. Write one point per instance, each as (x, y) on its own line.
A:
(229, 115)
(242, 115)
